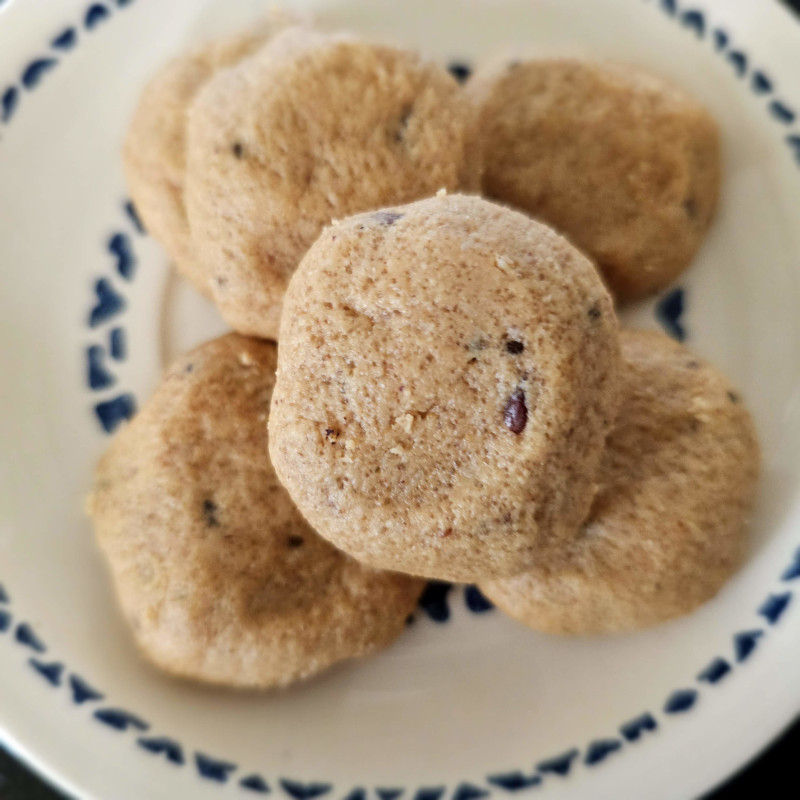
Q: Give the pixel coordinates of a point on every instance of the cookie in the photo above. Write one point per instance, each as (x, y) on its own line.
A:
(624, 164)
(154, 154)
(668, 525)
(315, 127)
(448, 373)
(219, 576)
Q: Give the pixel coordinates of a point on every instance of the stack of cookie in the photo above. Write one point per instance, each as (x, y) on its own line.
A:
(453, 397)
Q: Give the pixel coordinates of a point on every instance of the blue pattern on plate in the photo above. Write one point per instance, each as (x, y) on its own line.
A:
(110, 303)
(98, 376)
(634, 729)
(95, 14)
(112, 413)
(255, 783)
(118, 344)
(52, 672)
(680, 701)
(36, 70)
(65, 40)
(600, 750)
(744, 643)
(120, 720)
(669, 312)
(26, 636)
(161, 745)
(514, 781)
(305, 791)
(434, 600)
(8, 103)
(82, 691)
(774, 606)
(468, 791)
(120, 246)
(476, 601)
(715, 671)
(559, 765)
(213, 769)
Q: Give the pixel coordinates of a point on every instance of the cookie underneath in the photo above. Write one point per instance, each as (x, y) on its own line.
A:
(624, 164)
(668, 525)
(312, 129)
(219, 577)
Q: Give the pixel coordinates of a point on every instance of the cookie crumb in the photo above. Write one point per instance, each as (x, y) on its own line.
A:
(442, 192)
(245, 359)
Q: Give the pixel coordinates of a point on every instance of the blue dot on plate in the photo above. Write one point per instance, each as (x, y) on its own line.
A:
(305, 791)
(680, 701)
(634, 729)
(161, 745)
(120, 720)
(35, 71)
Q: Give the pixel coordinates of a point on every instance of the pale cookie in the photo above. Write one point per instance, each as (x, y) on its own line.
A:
(448, 374)
(624, 164)
(219, 576)
(154, 154)
(668, 526)
(313, 128)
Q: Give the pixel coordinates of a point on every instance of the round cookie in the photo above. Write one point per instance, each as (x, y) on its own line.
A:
(447, 376)
(623, 163)
(218, 574)
(667, 527)
(315, 127)
(154, 153)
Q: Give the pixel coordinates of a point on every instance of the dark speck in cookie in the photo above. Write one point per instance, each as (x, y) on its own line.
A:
(594, 312)
(210, 513)
(387, 217)
(238, 150)
(515, 415)
(295, 541)
(514, 347)
(733, 397)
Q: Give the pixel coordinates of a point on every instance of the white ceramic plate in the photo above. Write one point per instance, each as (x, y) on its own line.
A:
(474, 706)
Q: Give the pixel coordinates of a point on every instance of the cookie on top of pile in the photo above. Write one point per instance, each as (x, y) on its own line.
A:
(453, 396)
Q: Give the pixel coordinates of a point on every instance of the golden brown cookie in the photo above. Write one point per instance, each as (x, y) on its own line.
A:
(623, 163)
(313, 128)
(154, 155)
(219, 576)
(447, 376)
(668, 526)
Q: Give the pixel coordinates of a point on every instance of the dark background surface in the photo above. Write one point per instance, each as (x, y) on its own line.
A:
(777, 767)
